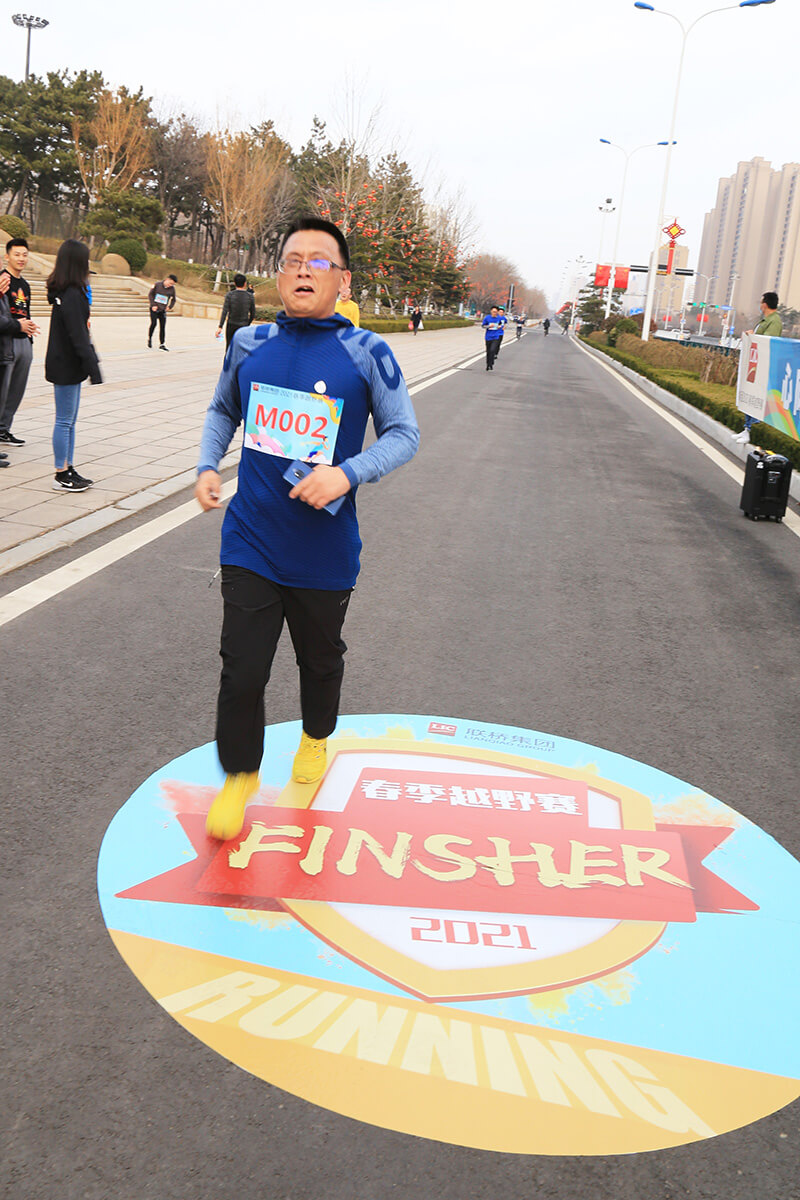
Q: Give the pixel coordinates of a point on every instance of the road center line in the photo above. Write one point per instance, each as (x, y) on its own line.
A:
(790, 520)
(33, 594)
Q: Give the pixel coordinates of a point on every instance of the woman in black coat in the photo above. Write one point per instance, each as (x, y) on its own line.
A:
(70, 357)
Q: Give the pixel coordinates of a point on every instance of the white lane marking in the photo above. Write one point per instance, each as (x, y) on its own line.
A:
(478, 358)
(32, 594)
(790, 520)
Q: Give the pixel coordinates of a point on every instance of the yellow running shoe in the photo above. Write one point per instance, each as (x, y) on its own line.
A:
(226, 815)
(310, 760)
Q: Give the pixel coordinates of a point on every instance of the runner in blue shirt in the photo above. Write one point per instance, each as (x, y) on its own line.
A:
(493, 323)
(305, 388)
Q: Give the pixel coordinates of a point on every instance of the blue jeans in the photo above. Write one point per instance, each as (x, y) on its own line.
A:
(68, 396)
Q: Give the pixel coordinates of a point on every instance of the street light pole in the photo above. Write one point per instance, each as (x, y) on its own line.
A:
(685, 30)
(29, 23)
(580, 264)
(708, 279)
(727, 327)
(606, 209)
(628, 156)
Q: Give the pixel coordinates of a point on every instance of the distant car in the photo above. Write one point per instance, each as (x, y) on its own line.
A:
(673, 335)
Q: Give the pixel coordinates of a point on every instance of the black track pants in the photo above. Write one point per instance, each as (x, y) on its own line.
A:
(161, 317)
(254, 612)
(492, 351)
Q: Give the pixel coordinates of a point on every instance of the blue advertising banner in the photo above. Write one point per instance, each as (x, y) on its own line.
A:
(768, 387)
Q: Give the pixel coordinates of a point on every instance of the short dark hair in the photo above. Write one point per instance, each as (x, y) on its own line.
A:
(16, 242)
(770, 299)
(174, 278)
(316, 223)
(239, 280)
(71, 267)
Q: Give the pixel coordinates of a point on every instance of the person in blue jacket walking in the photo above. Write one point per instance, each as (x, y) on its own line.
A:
(304, 387)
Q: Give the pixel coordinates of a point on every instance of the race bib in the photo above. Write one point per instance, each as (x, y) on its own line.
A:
(161, 299)
(292, 424)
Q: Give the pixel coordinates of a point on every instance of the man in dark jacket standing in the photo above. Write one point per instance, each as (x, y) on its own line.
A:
(23, 331)
(239, 309)
(162, 299)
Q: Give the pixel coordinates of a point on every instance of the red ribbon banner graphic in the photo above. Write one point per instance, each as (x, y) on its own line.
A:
(468, 843)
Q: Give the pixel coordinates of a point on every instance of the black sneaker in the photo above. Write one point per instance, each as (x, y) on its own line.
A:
(80, 478)
(163, 348)
(149, 345)
(64, 482)
(8, 439)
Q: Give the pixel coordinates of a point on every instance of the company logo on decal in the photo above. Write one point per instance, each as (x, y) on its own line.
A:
(752, 363)
(440, 727)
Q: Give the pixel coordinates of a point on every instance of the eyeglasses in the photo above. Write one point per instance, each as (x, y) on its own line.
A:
(292, 264)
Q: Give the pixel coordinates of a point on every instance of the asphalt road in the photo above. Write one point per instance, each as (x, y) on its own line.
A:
(557, 558)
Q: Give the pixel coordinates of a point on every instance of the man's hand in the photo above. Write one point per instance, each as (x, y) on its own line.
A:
(747, 331)
(5, 284)
(321, 486)
(219, 332)
(28, 326)
(206, 490)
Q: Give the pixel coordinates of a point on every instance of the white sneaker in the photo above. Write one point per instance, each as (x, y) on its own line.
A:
(743, 438)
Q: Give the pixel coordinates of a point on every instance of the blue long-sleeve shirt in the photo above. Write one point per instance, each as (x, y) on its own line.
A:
(263, 530)
(493, 327)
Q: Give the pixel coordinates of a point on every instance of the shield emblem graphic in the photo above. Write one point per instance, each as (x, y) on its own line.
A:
(453, 873)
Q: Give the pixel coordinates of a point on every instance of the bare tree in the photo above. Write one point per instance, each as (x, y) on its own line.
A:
(245, 172)
(113, 149)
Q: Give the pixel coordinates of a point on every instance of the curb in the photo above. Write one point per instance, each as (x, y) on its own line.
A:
(25, 553)
(701, 421)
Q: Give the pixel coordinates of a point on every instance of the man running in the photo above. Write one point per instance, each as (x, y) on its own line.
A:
(493, 336)
(305, 387)
(162, 300)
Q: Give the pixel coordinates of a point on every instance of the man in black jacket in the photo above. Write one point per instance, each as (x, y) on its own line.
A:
(23, 330)
(239, 309)
(162, 299)
(6, 346)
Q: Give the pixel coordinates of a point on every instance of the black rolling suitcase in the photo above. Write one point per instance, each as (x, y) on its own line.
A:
(766, 485)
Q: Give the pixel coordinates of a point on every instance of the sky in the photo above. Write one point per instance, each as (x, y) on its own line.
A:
(503, 105)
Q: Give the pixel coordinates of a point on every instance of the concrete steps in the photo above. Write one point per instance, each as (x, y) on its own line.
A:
(110, 297)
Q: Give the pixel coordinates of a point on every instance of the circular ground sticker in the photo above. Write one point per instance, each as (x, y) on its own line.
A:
(473, 933)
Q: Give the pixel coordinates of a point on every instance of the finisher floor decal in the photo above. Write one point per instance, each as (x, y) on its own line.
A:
(472, 933)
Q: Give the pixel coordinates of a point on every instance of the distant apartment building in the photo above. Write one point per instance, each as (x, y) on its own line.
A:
(751, 240)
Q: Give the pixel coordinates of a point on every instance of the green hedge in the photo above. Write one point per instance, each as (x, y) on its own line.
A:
(14, 227)
(716, 399)
(131, 249)
(400, 324)
(189, 274)
(384, 325)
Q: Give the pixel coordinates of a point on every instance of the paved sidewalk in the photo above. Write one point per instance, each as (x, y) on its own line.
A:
(138, 435)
